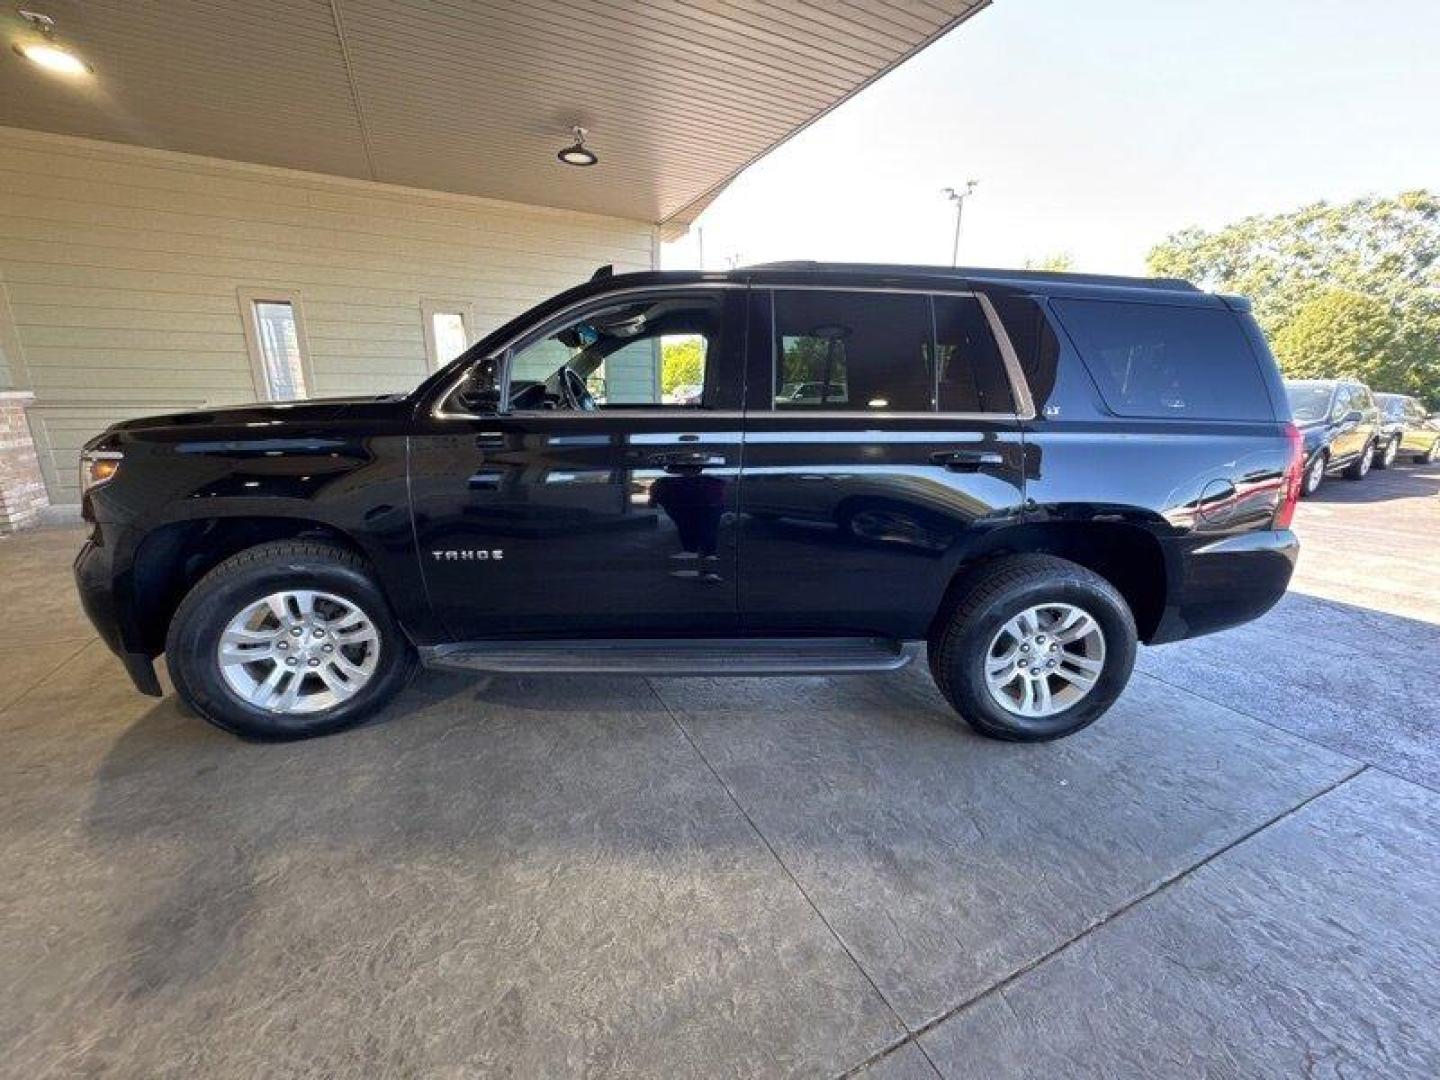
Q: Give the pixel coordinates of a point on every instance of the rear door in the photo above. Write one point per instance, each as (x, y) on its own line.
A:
(860, 494)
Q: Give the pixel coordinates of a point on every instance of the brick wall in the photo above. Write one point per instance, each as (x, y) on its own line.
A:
(22, 488)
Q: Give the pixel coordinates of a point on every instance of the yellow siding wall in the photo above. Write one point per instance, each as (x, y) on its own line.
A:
(123, 268)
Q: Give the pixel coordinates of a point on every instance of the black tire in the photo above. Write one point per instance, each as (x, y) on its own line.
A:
(1314, 474)
(194, 637)
(997, 593)
(1358, 468)
(1386, 457)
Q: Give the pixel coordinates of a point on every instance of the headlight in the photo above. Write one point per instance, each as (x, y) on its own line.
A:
(98, 467)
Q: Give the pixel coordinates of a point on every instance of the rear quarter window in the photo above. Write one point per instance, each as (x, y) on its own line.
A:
(1156, 360)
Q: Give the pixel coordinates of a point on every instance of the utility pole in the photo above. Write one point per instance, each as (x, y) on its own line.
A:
(958, 198)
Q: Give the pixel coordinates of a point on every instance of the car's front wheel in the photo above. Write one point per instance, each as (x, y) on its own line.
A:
(287, 640)
(1360, 467)
(1035, 648)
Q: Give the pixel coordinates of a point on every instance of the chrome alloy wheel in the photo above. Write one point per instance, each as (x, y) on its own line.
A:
(1367, 459)
(1044, 660)
(298, 651)
(1391, 449)
(1317, 474)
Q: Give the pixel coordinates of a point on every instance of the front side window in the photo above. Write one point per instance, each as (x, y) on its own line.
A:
(852, 352)
(971, 372)
(653, 352)
(1344, 403)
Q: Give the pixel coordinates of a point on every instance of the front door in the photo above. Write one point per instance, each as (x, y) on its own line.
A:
(599, 501)
(882, 439)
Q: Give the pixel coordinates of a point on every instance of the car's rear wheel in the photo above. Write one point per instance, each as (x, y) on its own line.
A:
(1386, 457)
(287, 640)
(1358, 468)
(1035, 648)
(1314, 475)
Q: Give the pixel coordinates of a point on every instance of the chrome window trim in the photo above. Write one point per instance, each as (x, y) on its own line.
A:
(1015, 374)
(836, 414)
(505, 351)
(1019, 388)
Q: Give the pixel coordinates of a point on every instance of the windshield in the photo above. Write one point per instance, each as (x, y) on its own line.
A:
(1309, 403)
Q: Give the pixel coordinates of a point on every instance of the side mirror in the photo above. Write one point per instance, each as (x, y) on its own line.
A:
(1354, 416)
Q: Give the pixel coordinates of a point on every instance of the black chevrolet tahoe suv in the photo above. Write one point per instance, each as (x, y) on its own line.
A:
(1022, 473)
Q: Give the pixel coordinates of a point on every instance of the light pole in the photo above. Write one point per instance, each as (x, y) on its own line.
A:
(958, 198)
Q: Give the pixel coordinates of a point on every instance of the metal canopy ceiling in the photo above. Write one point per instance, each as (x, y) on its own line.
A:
(469, 96)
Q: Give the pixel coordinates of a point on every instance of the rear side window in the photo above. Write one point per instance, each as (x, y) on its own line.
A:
(1153, 360)
(1036, 346)
(972, 374)
(853, 352)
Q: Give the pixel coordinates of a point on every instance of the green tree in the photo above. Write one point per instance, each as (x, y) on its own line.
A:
(1060, 262)
(682, 363)
(1366, 272)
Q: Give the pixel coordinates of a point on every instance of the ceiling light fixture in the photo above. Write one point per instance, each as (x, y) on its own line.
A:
(576, 154)
(44, 51)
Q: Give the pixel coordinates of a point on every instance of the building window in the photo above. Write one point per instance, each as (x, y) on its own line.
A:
(275, 336)
(448, 325)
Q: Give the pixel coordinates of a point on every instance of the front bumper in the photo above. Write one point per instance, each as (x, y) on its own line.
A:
(95, 580)
(1216, 584)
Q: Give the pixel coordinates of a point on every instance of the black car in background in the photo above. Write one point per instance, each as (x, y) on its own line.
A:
(1340, 424)
(1407, 429)
(1017, 474)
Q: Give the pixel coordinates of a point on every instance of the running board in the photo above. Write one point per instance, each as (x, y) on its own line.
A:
(707, 656)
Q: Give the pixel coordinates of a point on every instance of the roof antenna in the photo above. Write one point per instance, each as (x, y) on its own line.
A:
(608, 270)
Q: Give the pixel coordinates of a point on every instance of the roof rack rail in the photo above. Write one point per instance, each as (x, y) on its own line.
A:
(979, 273)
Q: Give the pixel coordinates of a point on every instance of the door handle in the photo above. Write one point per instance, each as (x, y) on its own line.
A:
(968, 460)
(489, 440)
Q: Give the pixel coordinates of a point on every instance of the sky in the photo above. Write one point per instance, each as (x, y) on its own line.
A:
(1095, 129)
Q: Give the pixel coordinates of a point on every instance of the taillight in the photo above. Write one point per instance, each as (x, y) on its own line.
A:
(1293, 474)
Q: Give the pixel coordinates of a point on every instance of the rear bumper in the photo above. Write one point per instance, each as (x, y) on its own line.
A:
(95, 581)
(1217, 584)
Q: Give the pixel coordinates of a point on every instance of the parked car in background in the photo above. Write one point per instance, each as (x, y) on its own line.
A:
(1407, 429)
(1021, 476)
(1340, 424)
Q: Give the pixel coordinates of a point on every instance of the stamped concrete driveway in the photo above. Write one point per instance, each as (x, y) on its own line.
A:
(1236, 873)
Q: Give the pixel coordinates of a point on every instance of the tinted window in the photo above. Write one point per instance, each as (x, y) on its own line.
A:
(852, 351)
(1033, 338)
(1161, 361)
(1344, 402)
(972, 374)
